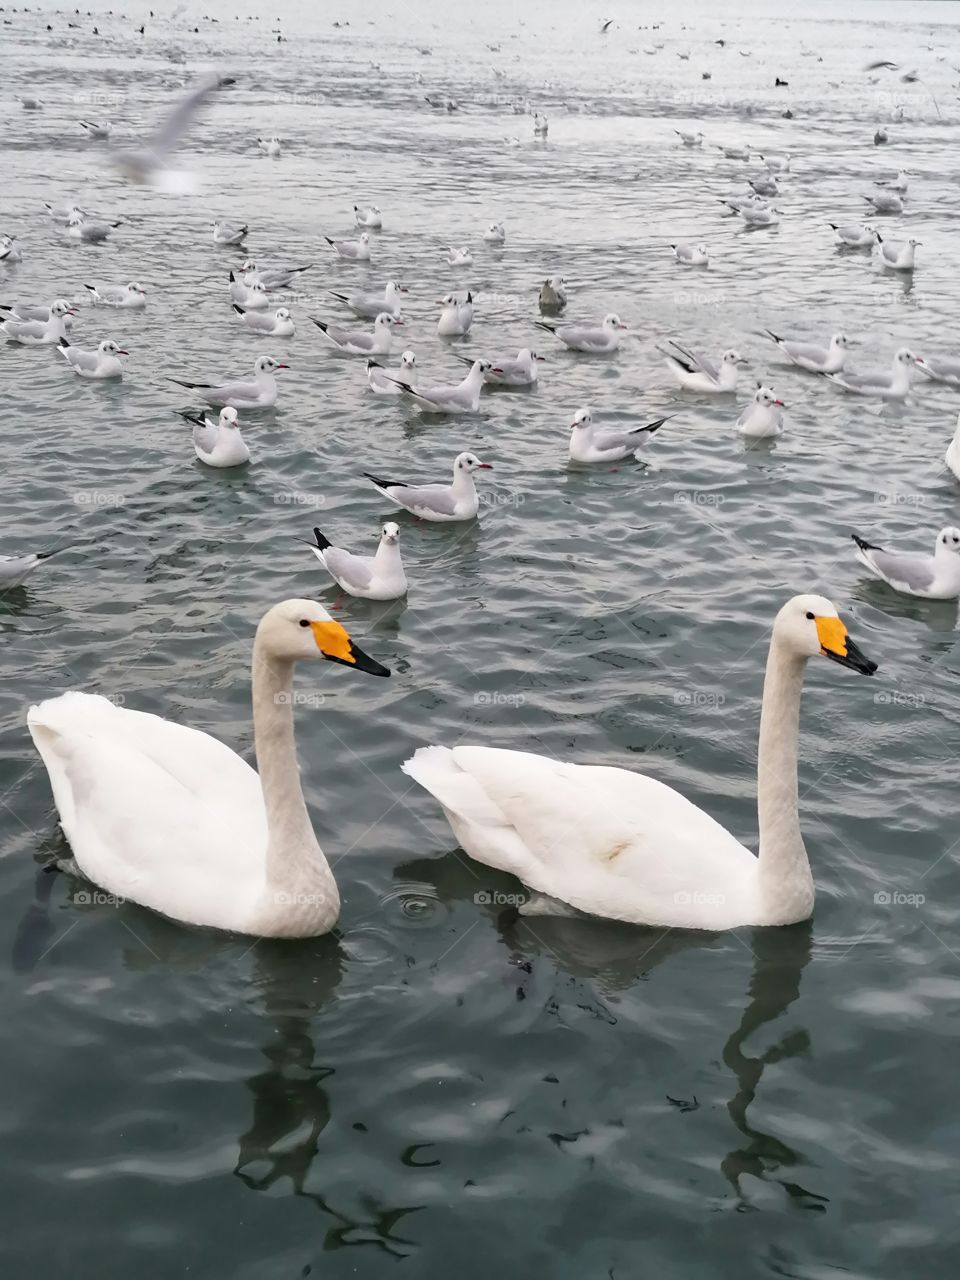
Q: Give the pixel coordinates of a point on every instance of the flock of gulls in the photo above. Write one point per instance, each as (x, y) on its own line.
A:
(171, 818)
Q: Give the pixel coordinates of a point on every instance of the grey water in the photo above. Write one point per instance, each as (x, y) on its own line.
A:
(440, 1083)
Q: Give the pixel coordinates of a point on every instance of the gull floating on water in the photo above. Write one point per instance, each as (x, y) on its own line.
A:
(353, 250)
(442, 503)
(854, 236)
(101, 363)
(279, 325)
(99, 132)
(386, 382)
(695, 372)
(273, 277)
(252, 297)
(495, 234)
(689, 139)
(40, 333)
(456, 316)
(885, 202)
(691, 255)
(63, 213)
(357, 343)
(941, 369)
(952, 456)
(765, 186)
(133, 296)
(590, 339)
(758, 216)
(541, 125)
(368, 305)
(149, 163)
(898, 255)
(589, 443)
(261, 393)
(456, 397)
(10, 250)
(762, 419)
(777, 164)
(376, 577)
(553, 294)
(735, 153)
(811, 356)
(30, 103)
(78, 228)
(270, 147)
(891, 384)
(14, 569)
(22, 312)
(935, 577)
(515, 371)
(900, 183)
(370, 217)
(227, 233)
(218, 444)
(459, 257)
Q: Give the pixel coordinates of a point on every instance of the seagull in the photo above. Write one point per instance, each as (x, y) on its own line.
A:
(218, 444)
(102, 363)
(689, 139)
(762, 418)
(541, 125)
(898, 254)
(698, 373)
(591, 339)
(596, 444)
(765, 186)
(442, 503)
(811, 356)
(456, 316)
(99, 132)
(553, 294)
(457, 397)
(89, 232)
(132, 296)
(279, 325)
(891, 384)
(270, 147)
(369, 305)
(941, 369)
(885, 202)
(273, 277)
(227, 233)
(353, 250)
(519, 371)
(261, 393)
(29, 103)
(149, 162)
(777, 164)
(899, 183)
(9, 250)
(14, 569)
(459, 257)
(735, 153)
(63, 214)
(21, 312)
(691, 255)
(935, 577)
(376, 577)
(40, 333)
(386, 382)
(495, 234)
(355, 343)
(252, 297)
(952, 456)
(760, 217)
(371, 217)
(851, 236)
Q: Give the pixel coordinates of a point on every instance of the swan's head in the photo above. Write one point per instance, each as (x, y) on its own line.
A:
(229, 417)
(613, 321)
(809, 625)
(302, 630)
(390, 532)
(469, 462)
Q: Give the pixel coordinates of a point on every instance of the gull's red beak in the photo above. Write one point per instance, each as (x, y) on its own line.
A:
(780, 403)
(121, 352)
(283, 366)
(484, 466)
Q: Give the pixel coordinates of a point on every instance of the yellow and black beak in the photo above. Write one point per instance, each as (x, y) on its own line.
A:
(835, 643)
(336, 646)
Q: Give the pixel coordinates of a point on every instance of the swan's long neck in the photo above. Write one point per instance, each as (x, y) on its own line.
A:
(785, 880)
(295, 862)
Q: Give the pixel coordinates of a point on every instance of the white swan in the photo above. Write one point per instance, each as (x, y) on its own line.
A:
(171, 818)
(618, 844)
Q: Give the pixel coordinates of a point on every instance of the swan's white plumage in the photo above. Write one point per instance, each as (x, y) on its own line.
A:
(155, 811)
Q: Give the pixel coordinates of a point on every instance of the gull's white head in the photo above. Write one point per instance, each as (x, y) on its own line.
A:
(111, 348)
(582, 418)
(613, 321)
(393, 288)
(302, 630)
(229, 417)
(390, 532)
(732, 357)
(767, 397)
(702, 249)
(267, 364)
(809, 626)
(386, 321)
(948, 539)
(839, 340)
(914, 244)
(469, 462)
(248, 266)
(62, 308)
(258, 287)
(135, 287)
(906, 356)
(408, 360)
(364, 237)
(281, 313)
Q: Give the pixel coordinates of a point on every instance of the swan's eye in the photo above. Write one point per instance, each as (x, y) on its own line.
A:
(811, 617)
(305, 623)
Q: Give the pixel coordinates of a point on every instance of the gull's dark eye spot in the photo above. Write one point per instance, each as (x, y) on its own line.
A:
(304, 622)
(810, 617)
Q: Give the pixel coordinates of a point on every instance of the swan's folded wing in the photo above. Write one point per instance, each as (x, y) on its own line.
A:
(607, 841)
(154, 811)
